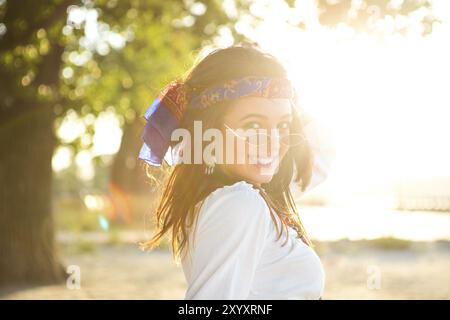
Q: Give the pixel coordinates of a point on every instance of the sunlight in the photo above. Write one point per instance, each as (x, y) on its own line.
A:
(108, 134)
(356, 223)
(106, 141)
(386, 99)
(387, 104)
(62, 158)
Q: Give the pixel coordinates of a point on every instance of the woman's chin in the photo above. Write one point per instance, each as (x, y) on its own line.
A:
(254, 173)
(261, 173)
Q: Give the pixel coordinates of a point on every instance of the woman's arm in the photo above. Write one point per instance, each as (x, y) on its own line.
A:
(228, 244)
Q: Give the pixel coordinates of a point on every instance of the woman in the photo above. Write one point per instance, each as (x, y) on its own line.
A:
(230, 211)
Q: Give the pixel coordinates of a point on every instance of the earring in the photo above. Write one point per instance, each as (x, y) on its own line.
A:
(209, 169)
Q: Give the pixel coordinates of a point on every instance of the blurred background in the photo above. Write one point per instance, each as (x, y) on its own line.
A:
(77, 76)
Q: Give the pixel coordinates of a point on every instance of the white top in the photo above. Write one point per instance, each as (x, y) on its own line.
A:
(235, 254)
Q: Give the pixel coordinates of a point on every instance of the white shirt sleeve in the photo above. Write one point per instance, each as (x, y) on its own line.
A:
(229, 240)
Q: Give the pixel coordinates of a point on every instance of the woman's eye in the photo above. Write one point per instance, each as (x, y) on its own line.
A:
(284, 125)
(252, 125)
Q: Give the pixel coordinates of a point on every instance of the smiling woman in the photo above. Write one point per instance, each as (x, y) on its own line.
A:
(227, 218)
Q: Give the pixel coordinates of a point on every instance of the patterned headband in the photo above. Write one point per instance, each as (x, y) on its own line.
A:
(168, 108)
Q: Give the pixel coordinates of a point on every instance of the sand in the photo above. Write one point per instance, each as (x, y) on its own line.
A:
(354, 270)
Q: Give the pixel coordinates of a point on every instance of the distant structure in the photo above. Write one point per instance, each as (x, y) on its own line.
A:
(431, 194)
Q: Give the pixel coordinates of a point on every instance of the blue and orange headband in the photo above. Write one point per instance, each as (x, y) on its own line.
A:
(168, 108)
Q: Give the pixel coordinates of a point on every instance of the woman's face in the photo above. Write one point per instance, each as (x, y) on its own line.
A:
(262, 152)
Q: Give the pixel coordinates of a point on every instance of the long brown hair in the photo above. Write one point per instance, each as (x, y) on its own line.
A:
(187, 185)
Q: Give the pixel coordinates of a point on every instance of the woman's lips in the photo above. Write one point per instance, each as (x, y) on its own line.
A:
(264, 162)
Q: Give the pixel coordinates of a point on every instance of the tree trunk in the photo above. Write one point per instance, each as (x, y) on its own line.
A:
(128, 183)
(27, 249)
(126, 172)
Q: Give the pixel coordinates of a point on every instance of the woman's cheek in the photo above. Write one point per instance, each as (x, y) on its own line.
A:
(283, 151)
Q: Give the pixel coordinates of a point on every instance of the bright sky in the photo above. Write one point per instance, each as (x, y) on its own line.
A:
(387, 101)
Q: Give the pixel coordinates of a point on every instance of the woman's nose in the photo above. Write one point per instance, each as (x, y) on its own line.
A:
(270, 143)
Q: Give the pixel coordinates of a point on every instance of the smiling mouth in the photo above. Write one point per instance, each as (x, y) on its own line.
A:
(264, 161)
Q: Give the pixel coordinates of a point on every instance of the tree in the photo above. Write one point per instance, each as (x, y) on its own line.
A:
(30, 58)
(33, 51)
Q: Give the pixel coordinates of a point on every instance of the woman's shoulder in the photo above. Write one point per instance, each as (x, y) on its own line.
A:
(239, 193)
(238, 187)
(240, 200)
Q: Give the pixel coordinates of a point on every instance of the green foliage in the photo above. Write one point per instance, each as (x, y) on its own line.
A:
(86, 246)
(363, 15)
(48, 59)
(389, 243)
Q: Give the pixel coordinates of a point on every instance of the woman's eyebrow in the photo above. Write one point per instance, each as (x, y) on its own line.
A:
(253, 115)
(261, 116)
(286, 116)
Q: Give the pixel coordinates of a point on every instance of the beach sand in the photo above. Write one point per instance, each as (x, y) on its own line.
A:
(354, 270)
